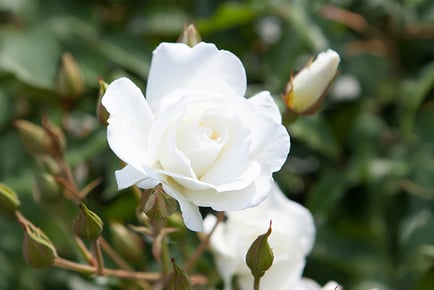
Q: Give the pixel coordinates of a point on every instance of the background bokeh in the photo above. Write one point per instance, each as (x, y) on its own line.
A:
(364, 165)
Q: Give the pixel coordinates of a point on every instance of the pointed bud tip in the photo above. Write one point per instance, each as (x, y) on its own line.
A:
(190, 35)
(178, 280)
(101, 111)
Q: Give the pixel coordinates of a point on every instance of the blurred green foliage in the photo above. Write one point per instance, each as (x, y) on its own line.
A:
(364, 165)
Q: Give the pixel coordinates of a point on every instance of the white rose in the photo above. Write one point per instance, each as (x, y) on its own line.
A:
(291, 240)
(305, 92)
(195, 133)
(308, 284)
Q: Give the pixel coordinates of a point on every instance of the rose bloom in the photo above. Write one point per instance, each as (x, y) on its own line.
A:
(291, 240)
(195, 132)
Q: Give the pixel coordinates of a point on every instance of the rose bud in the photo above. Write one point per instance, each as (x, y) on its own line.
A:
(101, 112)
(70, 81)
(260, 257)
(190, 36)
(88, 225)
(305, 92)
(38, 251)
(8, 199)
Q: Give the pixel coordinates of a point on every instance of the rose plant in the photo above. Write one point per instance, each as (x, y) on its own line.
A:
(195, 132)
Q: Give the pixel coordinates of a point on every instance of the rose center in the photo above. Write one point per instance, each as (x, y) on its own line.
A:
(201, 141)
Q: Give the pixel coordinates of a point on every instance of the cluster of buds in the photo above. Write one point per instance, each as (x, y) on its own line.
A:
(305, 92)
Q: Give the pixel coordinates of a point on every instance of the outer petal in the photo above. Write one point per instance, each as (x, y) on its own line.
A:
(177, 66)
(233, 200)
(270, 140)
(264, 103)
(308, 284)
(279, 208)
(129, 175)
(281, 276)
(223, 246)
(190, 212)
(129, 122)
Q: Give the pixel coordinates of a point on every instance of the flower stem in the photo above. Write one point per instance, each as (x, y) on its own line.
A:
(256, 283)
(114, 255)
(98, 256)
(89, 270)
(84, 251)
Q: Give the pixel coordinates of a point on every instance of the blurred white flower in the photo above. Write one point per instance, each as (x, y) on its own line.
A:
(195, 133)
(305, 92)
(345, 88)
(308, 284)
(291, 240)
(269, 29)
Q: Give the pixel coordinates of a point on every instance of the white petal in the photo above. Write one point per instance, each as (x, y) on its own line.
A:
(270, 140)
(264, 103)
(190, 212)
(234, 157)
(281, 276)
(309, 284)
(196, 187)
(286, 214)
(171, 158)
(232, 200)
(128, 176)
(129, 121)
(177, 66)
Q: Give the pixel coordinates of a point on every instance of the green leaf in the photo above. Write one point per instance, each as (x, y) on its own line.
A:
(226, 16)
(316, 133)
(326, 192)
(31, 55)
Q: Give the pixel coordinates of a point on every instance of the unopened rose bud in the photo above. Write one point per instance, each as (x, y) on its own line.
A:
(259, 257)
(38, 251)
(101, 111)
(8, 199)
(305, 92)
(46, 189)
(34, 137)
(88, 225)
(39, 140)
(70, 81)
(190, 36)
(48, 164)
(159, 205)
(178, 280)
(57, 137)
